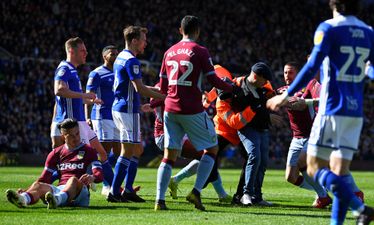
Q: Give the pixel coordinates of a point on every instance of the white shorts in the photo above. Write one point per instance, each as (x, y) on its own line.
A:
(106, 130)
(82, 200)
(85, 131)
(334, 135)
(198, 127)
(128, 125)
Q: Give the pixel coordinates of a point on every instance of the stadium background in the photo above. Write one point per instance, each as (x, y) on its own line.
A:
(237, 33)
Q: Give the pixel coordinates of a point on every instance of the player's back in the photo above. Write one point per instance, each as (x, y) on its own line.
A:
(126, 68)
(69, 107)
(348, 43)
(185, 64)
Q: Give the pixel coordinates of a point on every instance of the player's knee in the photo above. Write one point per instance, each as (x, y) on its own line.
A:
(291, 179)
(73, 180)
(311, 171)
(36, 185)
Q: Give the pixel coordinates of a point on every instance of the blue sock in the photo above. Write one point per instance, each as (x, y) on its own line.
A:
(131, 174)
(203, 171)
(55, 176)
(338, 212)
(341, 191)
(350, 181)
(120, 172)
(187, 171)
(112, 158)
(108, 173)
(163, 179)
(218, 187)
(62, 198)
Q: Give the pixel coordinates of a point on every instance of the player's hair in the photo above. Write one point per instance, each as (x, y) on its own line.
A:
(190, 24)
(73, 43)
(345, 7)
(67, 124)
(294, 64)
(133, 32)
(108, 47)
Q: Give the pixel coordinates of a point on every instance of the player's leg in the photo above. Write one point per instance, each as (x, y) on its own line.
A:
(251, 141)
(56, 136)
(187, 171)
(129, 193)
(65, 194)
(29, 197)
(173, 144)
(323, 199)
(200, 130)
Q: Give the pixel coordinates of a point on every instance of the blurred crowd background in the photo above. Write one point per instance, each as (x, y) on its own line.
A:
(237, 34)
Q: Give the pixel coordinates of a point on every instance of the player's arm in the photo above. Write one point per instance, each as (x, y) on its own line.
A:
(61, 89)
(145, 91)
(49, 168)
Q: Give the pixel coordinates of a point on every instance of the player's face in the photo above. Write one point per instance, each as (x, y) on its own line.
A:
(141, 43)
(72, 137)
(111, 56)
(80, 54)
(289, 74)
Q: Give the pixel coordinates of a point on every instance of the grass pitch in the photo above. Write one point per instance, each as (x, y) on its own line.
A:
(291, 204)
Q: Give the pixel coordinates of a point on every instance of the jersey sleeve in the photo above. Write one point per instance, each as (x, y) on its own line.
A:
(62, 73)
(164, 83)
(206, 62)
(50, 167)
(322, 40)
(96, 167)
(93, 81)
(132, 67)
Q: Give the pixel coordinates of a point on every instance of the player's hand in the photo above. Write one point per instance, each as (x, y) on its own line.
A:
(87, 179)
(146, 107)
(89, 95)
(98, 101)
(277, 101)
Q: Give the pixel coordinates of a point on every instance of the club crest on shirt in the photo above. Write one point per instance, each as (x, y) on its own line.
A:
(318, 37)
(80, 155)
(136, 69)
(61, 72)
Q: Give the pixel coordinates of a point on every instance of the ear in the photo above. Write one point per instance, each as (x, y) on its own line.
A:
(180, 30)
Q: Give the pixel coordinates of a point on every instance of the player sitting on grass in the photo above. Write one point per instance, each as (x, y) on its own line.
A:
(72, 160)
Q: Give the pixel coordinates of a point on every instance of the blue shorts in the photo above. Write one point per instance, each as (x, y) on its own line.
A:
(296, 147)
(198, 127)
(82, 200)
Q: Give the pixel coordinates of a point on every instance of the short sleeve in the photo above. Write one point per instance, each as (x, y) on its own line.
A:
(322, 38)
(62, 73)
(133, 69)
(93, 81)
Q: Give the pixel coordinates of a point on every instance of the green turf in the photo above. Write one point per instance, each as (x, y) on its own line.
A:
(292, 205)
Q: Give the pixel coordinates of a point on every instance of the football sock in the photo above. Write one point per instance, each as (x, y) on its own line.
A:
(131, 174)
(341, 190)
(321, 192)
(108, 173)
(120, 172)
(28, 198)
(187, 171)
(203, 170)
(112, 158)
(163, 178)
(338, 212)
(218, 187)
(350, 181)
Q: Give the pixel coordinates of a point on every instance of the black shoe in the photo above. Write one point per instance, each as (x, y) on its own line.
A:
(194, 197)
(160, 205)
(115, 198)
(366, 216)
(236, 199)
(132, 197)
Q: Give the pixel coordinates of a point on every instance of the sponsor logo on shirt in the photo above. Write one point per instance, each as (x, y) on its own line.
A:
(71, 166)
